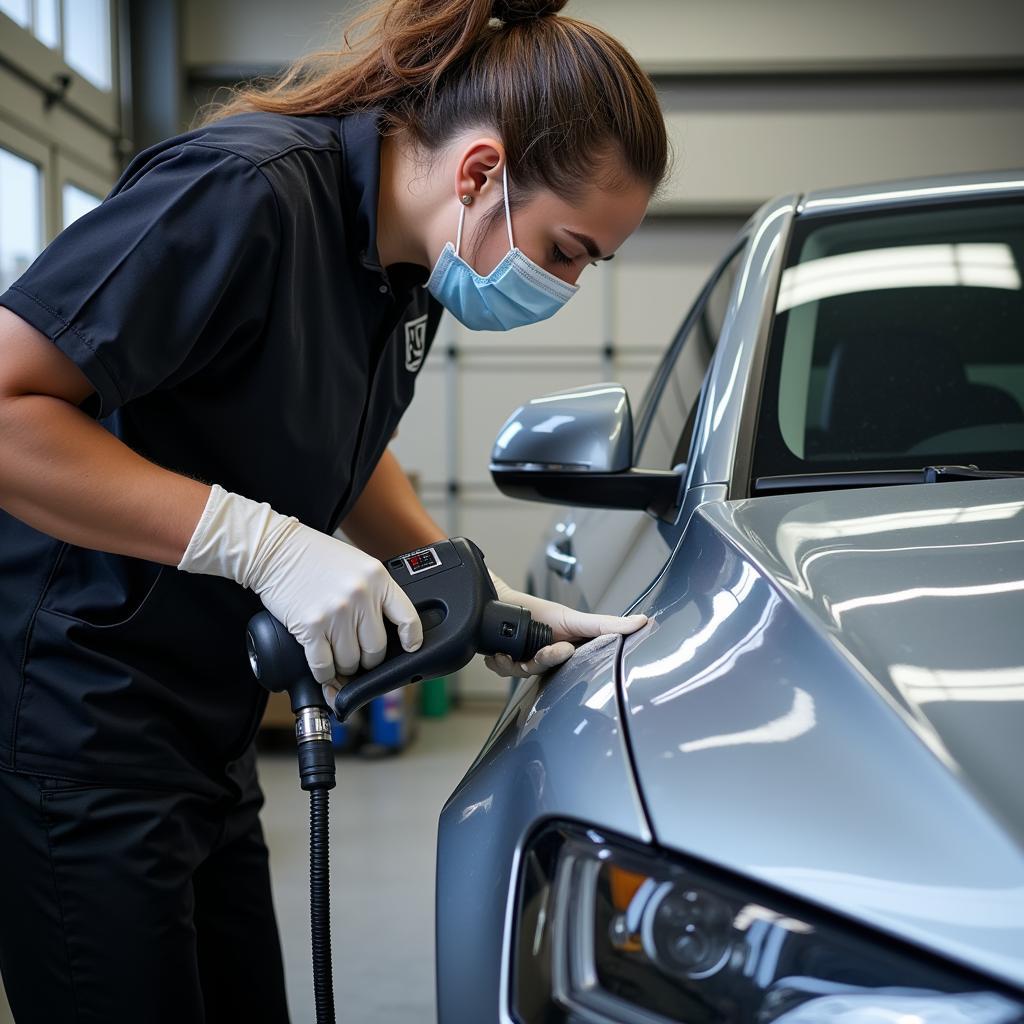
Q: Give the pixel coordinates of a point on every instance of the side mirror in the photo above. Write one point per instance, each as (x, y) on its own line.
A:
(576, 448)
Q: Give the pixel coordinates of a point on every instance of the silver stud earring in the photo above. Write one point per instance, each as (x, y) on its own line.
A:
(466, 200)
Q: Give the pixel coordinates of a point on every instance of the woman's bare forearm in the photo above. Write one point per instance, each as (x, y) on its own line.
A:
(64, 474)
(389, 517)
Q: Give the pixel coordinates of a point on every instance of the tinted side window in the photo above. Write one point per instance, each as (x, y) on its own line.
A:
(666, 440)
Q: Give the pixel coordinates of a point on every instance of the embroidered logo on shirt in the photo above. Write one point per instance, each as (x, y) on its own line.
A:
(415, 342)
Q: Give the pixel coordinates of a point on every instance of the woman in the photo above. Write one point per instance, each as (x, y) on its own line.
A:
(246, 312)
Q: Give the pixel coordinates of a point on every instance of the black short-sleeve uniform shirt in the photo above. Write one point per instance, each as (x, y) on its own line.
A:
(227, 304)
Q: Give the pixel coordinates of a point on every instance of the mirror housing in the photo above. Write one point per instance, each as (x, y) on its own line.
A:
(575, 447)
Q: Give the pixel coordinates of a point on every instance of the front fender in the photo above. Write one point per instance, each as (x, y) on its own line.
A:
(557, 752)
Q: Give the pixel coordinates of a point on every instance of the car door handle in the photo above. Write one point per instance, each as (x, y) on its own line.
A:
(560, 559)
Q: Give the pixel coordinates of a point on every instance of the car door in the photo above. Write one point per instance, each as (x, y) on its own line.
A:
(600, 559)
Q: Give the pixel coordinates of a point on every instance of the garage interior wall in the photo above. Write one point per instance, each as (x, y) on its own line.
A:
(761, 98)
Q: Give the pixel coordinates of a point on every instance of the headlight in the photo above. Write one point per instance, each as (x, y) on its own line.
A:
(609, 932)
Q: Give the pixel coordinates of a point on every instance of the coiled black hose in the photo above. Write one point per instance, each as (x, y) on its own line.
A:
(320, 906)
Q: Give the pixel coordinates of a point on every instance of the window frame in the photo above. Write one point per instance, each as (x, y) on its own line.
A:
(58, 166)
(41, 65)
(64, 139)
(656, 389)
(740, 483)
(72, 170)
(25, 146)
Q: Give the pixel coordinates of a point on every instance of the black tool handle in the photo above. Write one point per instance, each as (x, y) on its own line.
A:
(451, 596)
(451, 589)
(278, 661)
(440, 654)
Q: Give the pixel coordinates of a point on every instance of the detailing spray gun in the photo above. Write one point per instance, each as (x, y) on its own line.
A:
(452, 591)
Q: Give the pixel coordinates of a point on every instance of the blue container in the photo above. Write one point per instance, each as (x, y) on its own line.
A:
(391, 725)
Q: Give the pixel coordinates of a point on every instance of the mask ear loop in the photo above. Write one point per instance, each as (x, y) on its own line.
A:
(508, 213)
(458, 235)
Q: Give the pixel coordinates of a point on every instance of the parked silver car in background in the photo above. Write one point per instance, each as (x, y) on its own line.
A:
(797, 795)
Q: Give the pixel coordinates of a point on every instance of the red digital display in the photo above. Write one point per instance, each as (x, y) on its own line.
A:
(420, 560)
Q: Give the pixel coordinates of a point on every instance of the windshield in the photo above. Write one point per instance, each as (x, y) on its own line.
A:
(898, 342)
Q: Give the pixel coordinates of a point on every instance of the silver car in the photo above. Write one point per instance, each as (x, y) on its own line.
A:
(797, 794)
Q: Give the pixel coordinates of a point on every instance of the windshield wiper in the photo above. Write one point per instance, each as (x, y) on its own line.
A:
(876, 478)
(937, 474)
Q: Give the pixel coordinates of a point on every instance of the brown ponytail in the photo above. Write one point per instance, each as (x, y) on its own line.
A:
(570, 104)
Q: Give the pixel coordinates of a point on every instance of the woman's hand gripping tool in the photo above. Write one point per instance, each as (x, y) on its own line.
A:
(451, 589)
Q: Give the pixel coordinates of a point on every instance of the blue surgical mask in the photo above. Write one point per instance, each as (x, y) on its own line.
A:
(515, 293)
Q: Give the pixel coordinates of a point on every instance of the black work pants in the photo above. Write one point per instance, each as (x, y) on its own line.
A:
(126, 904)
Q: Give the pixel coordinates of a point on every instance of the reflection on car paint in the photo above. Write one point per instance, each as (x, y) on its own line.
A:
(728, 775)
(538, 762)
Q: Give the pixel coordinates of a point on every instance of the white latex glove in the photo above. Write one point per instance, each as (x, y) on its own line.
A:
(566, 624)
(331, 596)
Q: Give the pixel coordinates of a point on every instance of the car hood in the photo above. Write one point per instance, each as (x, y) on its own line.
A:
(928, 600)
(831, 697)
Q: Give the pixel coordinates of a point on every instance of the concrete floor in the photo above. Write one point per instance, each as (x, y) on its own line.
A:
(383, 838)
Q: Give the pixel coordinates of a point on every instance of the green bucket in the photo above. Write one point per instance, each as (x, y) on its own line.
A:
(434, 697)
